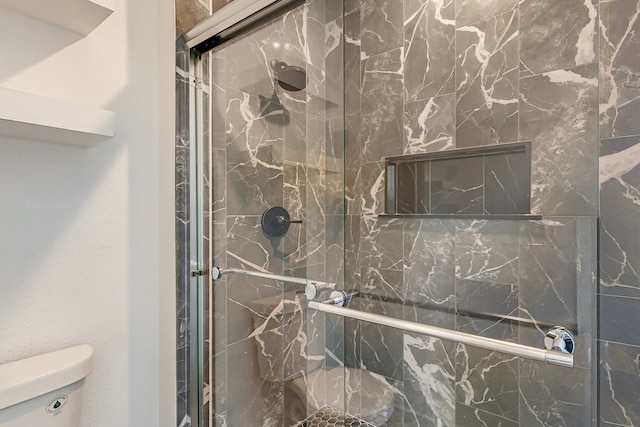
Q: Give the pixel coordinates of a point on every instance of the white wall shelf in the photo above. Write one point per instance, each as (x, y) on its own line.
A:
(27, 116)
(78, 16)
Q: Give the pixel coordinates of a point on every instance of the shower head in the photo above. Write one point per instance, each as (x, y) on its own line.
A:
(289, 77)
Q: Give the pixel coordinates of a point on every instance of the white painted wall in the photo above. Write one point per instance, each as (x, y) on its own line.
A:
(86, 234)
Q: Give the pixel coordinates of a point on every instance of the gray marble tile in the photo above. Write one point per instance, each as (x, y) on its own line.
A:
(310, 25)
(457, 186)
(487, 81)
(411, 199)
(252, 401)
(619, 212)
(556, 35)
(619, 68)
(252, 308)
(548, 280)
(381, 243)
(381, 106)
(381, 292)
(481, 306)
(303, 196)
(557, 281)
(219, 397)
(619, 318)
(218, 99)
(294, 142)
(295, 407)
(430, 125)
(334, 69)
(249, 248)
(487, 251)
(470, 11)
(429, 263)
(467, 416)
(352, 252)
(304, 336)
(487, 381)
(381, 346)
(507, 181)
(352, 164)
(381, 350)
(254, 182)
(557, 113)
(334, 262)
(219, 4)
(606, 424)
(219, 338)
(554, 396)
(371, 189)
(334, 168)
(334, 9)
(429, 54)
(350, 347)
(381, 26)
(352, 61)
(393, 416)
(182, 392)
(316, 139)
(429, 381)
(189, 13)
(619, 384)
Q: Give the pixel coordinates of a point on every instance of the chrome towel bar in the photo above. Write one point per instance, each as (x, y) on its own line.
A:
(312, 287)
(553, 357)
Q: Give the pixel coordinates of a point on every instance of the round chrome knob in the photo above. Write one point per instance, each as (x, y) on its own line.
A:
(311, 291)
(216, 273)
(560, 339)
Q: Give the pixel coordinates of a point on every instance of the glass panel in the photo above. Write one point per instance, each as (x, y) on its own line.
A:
(386, 89)
(277, 140)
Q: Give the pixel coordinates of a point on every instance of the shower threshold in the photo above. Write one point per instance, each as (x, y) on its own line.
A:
(331, 417)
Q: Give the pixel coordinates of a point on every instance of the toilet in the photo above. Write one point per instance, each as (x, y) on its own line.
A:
(303, 369)
(45, 390)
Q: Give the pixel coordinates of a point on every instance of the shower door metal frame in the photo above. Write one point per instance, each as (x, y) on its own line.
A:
(198, 263)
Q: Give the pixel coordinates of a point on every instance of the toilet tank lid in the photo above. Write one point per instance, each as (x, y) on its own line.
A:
(29, 378)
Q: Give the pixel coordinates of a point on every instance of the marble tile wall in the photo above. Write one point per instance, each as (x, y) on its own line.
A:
(445, 74)
(619, 97)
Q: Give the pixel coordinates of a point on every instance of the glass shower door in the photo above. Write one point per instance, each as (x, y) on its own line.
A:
(277, 155)
(304, 110)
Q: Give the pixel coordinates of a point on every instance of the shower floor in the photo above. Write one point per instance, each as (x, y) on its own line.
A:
(330, 417)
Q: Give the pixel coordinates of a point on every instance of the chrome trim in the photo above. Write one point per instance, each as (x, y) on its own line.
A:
(243, 14)
(552, 357)
(217, 273)
(560, 339)
(225, 18)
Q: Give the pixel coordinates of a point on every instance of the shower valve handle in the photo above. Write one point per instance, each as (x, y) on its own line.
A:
(276, 221)
(281, 220)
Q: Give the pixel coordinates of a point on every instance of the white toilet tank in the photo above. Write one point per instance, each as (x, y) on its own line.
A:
(44, 390)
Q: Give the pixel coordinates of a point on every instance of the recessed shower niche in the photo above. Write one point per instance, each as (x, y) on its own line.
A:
(477, 181)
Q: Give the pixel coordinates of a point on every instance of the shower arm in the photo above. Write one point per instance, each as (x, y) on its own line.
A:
(312, 287)
(555, 354)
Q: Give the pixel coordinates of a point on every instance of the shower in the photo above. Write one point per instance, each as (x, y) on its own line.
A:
(443, 269)
(290, 78)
